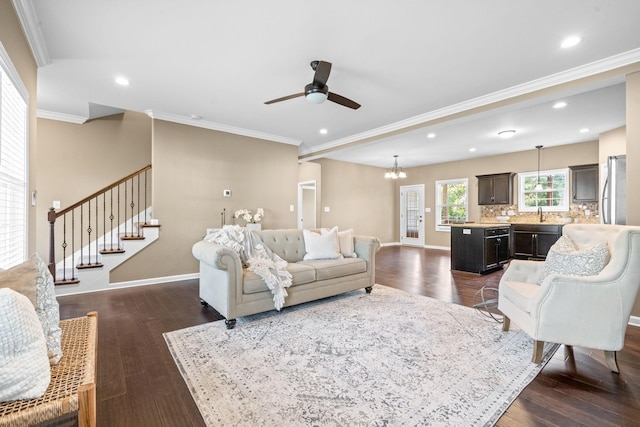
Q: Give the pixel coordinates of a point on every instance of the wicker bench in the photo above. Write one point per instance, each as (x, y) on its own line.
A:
(71, 396)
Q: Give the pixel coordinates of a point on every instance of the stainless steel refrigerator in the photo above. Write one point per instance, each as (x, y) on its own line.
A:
(614, 192)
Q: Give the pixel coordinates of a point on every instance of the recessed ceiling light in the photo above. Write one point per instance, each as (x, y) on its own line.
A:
(584, 130)
(570, 41)
(506, 133)
(472, 149)
(431, 135)
(323, 131)
(560, 104)
(122, 81)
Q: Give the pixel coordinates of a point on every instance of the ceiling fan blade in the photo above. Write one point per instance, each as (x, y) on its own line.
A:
(339, 99)
(284, 98)
(322, 73)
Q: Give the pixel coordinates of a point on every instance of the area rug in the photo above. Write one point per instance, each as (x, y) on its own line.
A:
(388, 358)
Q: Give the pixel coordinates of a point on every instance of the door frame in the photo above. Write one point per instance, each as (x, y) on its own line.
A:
(412, 241)
(302, 186)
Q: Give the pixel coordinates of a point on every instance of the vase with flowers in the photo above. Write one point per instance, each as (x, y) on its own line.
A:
(252, 221)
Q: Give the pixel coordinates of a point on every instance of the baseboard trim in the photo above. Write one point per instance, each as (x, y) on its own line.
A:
(141, 282)
(634, 321)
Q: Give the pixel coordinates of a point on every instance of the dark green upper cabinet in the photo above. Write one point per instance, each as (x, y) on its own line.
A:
(495, 189)
(584, 183)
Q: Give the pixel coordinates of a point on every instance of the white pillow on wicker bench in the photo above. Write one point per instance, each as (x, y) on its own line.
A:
(24, 362)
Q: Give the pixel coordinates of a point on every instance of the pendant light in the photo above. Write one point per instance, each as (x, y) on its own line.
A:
(538, 185)
(395, 172)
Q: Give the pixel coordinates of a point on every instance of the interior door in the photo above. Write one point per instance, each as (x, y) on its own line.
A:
(412, 215)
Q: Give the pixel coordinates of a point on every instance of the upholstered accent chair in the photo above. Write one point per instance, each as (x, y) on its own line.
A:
(581, 295)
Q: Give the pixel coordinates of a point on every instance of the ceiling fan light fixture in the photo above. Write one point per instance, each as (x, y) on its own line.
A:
(316, 95)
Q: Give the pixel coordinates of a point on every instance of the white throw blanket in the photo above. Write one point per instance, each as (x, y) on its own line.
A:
(257, 257)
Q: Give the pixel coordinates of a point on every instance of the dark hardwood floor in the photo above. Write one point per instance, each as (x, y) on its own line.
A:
(139, 384)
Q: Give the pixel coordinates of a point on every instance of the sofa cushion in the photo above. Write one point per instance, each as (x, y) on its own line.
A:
(321, 246)
(332, 268)
(300, 274)
(30, 278)
(521, 294)
(287, 244)
(345, 240)
(565, 257)
(24, 362)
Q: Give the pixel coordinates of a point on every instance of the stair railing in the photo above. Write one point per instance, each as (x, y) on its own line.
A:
(121, 208)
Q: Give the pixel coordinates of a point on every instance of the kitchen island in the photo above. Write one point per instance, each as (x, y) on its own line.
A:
(479, 247)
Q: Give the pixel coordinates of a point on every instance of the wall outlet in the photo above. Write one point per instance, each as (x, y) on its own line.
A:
(427, 210)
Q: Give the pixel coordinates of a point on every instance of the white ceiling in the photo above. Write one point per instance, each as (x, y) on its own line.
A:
(412, 65)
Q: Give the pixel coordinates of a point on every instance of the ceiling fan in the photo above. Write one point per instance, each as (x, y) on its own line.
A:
(318, 91)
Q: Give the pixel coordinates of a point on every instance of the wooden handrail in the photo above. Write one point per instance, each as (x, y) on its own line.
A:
(92, 228)
(99, 192)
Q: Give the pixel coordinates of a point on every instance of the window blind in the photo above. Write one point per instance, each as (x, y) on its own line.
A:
(13, 169)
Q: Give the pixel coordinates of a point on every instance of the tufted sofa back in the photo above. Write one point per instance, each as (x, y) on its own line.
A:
(288, 244)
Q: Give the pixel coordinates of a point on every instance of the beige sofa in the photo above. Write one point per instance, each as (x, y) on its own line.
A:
(234, 291)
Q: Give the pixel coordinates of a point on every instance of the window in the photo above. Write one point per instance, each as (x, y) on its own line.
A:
(13, 165)
(452, 202)
(554, 195)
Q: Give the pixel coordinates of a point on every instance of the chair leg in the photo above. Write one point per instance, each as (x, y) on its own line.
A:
(506, 322)
(612, 361)
(538, 346)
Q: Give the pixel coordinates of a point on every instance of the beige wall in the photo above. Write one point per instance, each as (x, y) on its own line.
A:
(633, 149)
(16, 45)
(612, 143)
(76, 160)
(191, 168)
(358, 197)
(633, 157)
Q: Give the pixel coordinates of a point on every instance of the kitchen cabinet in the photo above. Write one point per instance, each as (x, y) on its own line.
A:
(495, 189)
(533, 241)
(479, 249)
(584, 183)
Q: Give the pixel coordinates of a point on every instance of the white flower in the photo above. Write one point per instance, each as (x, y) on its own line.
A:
(248, 217)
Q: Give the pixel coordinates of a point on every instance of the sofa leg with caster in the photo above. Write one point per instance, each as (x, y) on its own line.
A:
(231, 323)
(204, 303)
(368, 289)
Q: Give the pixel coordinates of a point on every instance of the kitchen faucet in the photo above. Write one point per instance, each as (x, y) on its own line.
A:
(540, 213)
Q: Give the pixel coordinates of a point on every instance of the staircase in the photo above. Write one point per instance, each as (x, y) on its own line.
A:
(100, 232)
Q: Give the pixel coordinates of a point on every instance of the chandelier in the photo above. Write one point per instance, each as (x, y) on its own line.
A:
(396, 171)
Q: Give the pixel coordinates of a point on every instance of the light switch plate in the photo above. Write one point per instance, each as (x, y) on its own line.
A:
(327, 209)
(56, 204)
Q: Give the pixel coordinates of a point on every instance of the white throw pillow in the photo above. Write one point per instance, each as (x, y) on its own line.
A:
(345, 240)
(321, 246)
(565, 257)
(24, 364)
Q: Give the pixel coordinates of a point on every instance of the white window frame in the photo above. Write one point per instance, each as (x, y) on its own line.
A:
(563, 207)
(439, 184)
(14, 237)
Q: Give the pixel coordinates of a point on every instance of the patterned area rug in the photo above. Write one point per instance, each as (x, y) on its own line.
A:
(387, 358)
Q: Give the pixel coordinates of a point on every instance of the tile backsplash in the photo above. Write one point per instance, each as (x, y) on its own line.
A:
(576, 213)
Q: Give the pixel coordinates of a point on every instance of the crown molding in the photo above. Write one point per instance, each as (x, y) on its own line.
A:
(175, 118)
(29, 21)
(70, 118)
(567, 76)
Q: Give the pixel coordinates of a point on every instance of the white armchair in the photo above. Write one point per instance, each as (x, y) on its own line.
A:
(589, 310)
